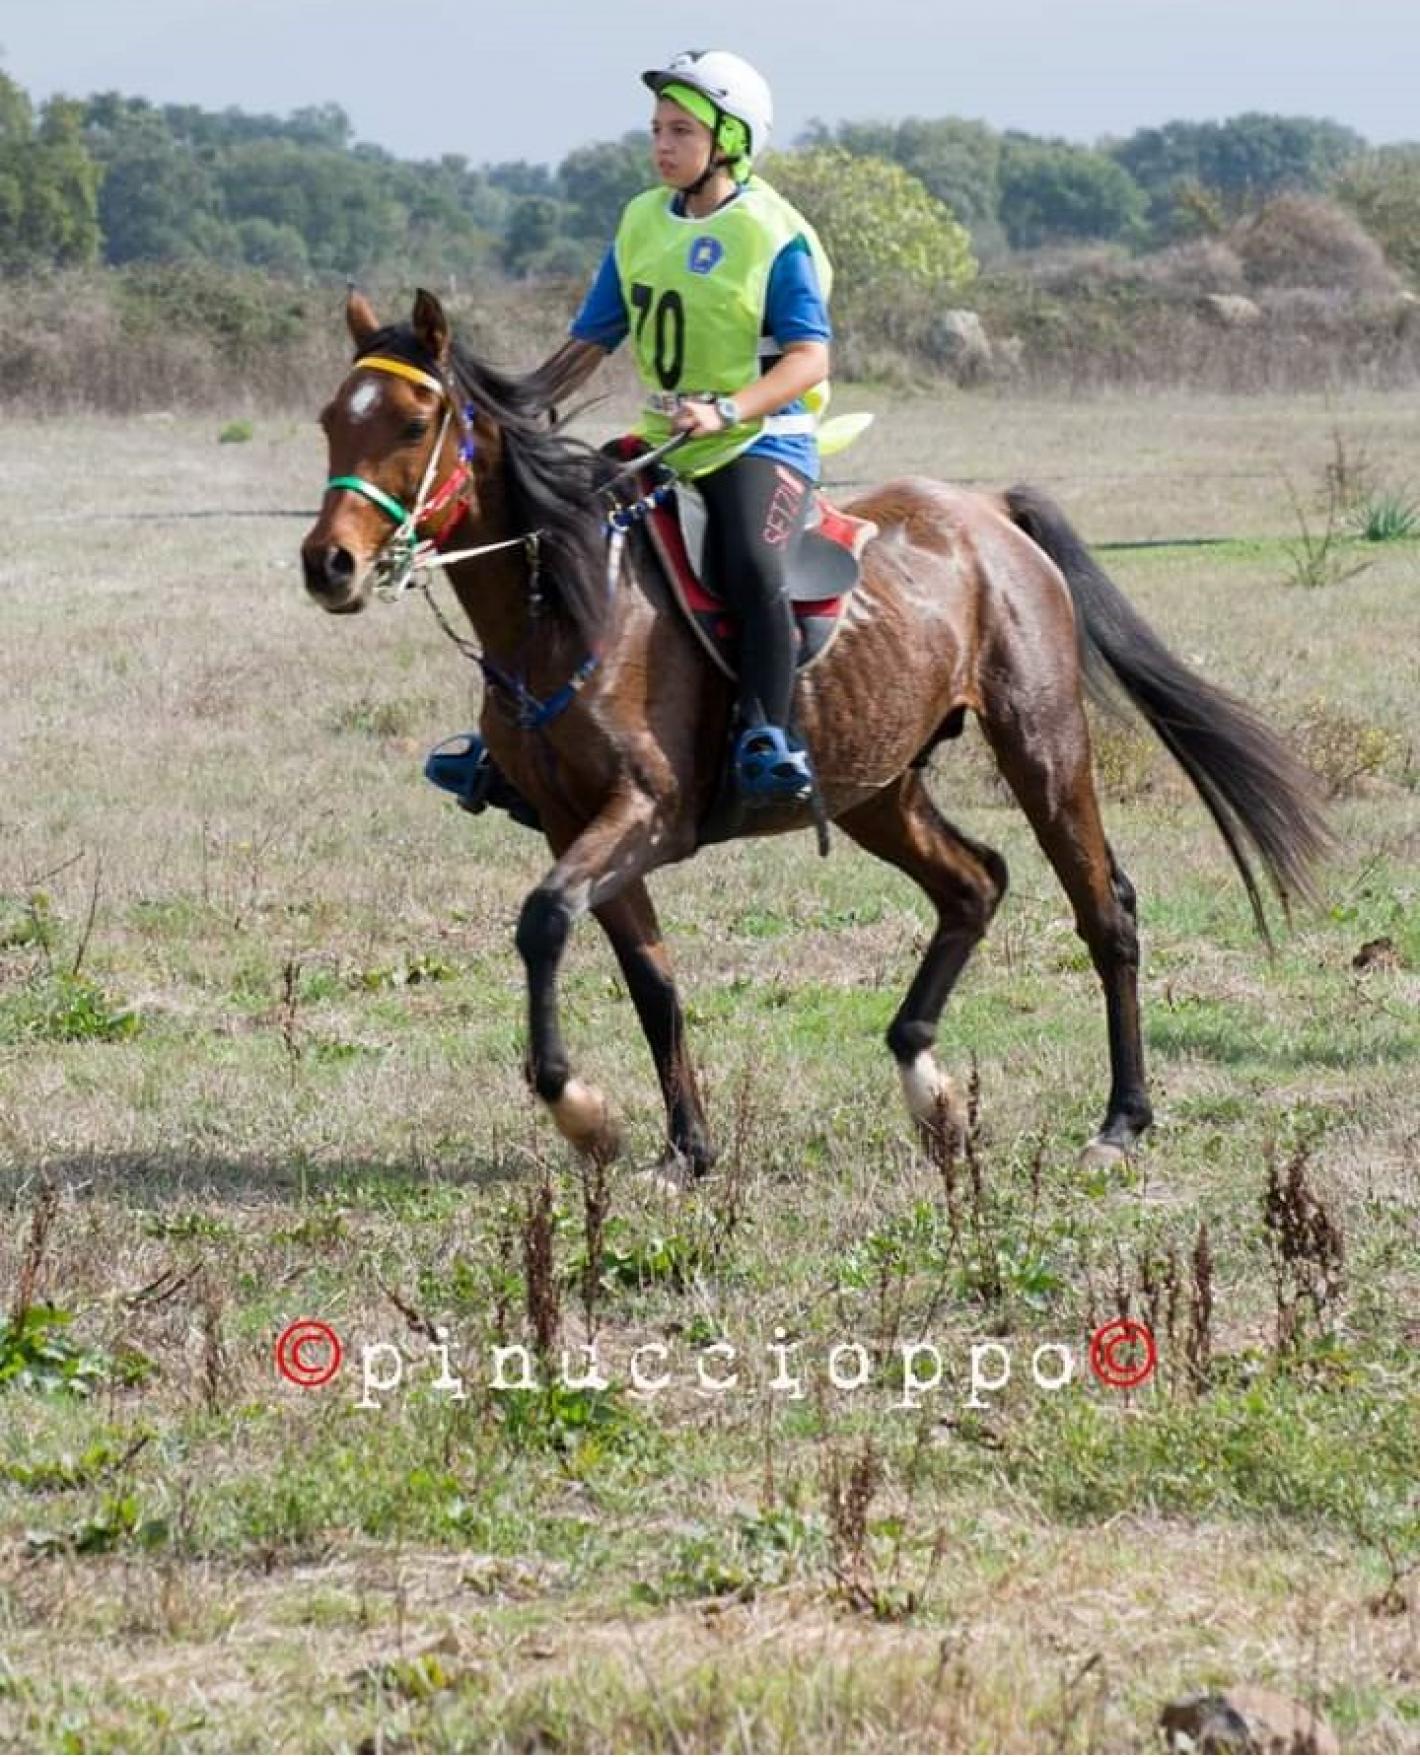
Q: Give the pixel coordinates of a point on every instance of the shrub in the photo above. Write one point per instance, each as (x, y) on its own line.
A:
(1387, 518)
(1344, 750)
(1202, 265)
(1382, 189)
(1306, 241)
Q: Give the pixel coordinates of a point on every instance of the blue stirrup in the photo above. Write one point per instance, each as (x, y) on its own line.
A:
(461, 766)
(772, 767)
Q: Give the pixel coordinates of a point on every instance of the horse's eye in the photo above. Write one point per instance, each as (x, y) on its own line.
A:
(415, 429)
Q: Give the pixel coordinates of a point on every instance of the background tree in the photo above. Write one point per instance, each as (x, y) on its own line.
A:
(158, 201)
(890, 241)
(48, 185)
(1244, 160)
(342, 207)
(532, 225)
(597, 181)
(959, 162)
(1052, 193)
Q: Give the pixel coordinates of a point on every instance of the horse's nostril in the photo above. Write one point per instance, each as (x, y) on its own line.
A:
(327, 570)
(339, 566)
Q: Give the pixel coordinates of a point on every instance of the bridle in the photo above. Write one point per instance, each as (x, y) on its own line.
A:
(405, 557)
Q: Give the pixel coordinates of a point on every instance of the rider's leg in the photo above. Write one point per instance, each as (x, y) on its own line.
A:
(757, 509)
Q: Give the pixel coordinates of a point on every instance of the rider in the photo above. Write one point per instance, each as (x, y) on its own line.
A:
(723, 287)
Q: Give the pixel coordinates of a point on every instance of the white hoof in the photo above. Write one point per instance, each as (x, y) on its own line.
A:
(584, 1118)
(669, 1176)
(933, 1102)
(1101, 1155)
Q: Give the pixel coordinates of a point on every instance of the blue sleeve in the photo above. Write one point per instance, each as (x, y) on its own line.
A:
(794, 304)
(602, 317)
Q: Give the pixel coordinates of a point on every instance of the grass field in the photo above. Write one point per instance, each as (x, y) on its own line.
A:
(260, 1040)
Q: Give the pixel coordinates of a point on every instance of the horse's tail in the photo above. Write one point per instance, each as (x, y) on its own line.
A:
(1263, 800)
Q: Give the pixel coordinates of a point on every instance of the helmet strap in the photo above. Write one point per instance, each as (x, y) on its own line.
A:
(715, 162)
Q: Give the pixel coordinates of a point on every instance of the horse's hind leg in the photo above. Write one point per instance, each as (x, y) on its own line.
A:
(966, 881)
(629, 922)
(1052, 778)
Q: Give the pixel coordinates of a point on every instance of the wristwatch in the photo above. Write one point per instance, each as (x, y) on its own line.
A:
(728, 410)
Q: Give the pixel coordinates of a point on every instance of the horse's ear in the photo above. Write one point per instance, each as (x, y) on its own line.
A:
(431, 327)
(360, 317)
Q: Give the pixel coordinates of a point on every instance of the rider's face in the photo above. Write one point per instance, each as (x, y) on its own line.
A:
(680, 146)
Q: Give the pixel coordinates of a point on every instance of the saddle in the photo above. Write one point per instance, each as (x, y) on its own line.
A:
(823, 569)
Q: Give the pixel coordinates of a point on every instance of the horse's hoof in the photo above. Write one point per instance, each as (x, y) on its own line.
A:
(584, 1118)
(932, 1102)
(1102, 1155)
(672, 1175)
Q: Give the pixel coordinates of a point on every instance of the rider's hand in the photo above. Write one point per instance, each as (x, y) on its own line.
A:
(699, 419)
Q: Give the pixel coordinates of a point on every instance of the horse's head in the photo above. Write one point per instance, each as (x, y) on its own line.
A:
(400, 452)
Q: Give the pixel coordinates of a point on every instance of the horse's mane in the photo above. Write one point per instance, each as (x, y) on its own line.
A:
(552, 479)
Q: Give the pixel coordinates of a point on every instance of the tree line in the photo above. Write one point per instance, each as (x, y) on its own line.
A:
(120, 181)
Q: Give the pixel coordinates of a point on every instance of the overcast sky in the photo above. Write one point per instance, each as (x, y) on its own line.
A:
(532, 78)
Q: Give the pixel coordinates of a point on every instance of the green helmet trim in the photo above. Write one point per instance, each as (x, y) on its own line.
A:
(731, 136)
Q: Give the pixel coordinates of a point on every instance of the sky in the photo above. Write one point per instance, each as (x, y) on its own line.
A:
(531, 79)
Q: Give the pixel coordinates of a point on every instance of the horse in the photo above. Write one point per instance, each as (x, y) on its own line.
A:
(604, 711)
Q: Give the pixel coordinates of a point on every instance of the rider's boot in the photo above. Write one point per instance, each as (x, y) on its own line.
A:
(772, 767)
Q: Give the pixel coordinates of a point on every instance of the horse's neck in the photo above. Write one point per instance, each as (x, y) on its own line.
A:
(493, 589)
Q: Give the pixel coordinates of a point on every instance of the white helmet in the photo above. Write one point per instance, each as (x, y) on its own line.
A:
(732, 86)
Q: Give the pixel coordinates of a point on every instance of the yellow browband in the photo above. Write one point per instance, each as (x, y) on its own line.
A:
(401, 369)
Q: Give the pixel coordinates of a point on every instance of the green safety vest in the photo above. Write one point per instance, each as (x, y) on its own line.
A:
(695, 292)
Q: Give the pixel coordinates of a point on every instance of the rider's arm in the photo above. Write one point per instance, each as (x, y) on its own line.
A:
(797, 318)
(801, 366)
(599, 326)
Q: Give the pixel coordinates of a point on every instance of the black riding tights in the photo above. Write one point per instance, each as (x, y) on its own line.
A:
(757, 510)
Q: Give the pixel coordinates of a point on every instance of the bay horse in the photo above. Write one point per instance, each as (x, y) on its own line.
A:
(603, 710)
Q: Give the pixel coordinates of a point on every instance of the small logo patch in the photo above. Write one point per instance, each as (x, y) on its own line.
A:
(705, 253)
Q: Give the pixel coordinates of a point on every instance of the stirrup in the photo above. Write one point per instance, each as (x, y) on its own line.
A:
(463, 767)
(772, 767)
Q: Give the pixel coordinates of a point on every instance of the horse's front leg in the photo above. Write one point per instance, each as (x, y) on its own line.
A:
(624, 841)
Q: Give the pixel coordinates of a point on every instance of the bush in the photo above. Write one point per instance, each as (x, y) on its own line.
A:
(1306, 241)
(1382, 190)
(1202, 265)
(1344, 750)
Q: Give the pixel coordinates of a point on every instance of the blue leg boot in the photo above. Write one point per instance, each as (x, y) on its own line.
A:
(772, 767)
(463, 767)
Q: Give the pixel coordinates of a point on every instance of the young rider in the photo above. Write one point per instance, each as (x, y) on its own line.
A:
(722, 288)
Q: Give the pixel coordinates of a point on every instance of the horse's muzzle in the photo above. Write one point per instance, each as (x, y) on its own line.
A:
(331, 576)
